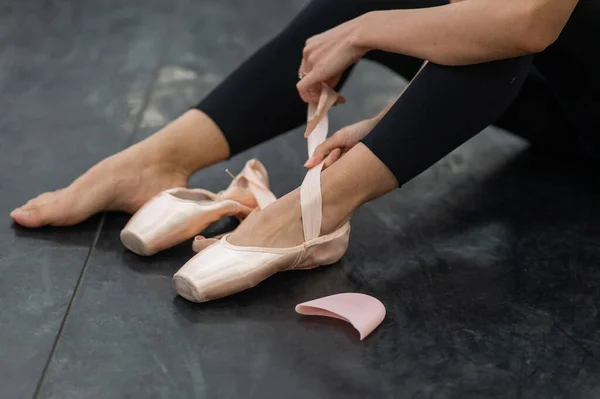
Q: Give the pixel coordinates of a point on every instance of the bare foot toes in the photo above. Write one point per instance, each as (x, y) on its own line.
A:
(57, 208)
(123, 182)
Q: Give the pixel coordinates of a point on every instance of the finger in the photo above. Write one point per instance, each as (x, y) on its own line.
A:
(314, 161)
(319, 155)
(332, 157)
(333, 82)
(308, 93)
(335, 141)
(304, 68)
(309, 87)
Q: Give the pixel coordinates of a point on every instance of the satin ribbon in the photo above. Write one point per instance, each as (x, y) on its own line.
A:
(311, 198)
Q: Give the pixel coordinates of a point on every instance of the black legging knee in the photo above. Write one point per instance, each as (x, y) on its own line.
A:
(442, 107)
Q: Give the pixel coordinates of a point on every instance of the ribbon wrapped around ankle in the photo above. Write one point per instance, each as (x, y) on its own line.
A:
(310, 192)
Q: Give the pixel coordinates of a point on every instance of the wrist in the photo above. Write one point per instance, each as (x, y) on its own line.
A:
(363, 37)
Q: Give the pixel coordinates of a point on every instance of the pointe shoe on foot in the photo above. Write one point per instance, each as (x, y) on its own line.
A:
(222, 269)
(176, 215)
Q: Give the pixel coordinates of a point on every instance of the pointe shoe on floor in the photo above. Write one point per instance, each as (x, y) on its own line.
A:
(176, 215)
(222, 269)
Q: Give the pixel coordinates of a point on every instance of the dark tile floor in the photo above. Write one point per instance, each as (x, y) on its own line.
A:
(487, 263)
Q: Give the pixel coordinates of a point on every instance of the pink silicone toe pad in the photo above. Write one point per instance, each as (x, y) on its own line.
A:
(364, 312)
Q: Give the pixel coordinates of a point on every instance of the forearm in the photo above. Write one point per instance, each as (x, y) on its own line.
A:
(467, 32)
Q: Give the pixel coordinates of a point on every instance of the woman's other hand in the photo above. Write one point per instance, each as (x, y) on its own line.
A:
(326, 56)
(340, 142)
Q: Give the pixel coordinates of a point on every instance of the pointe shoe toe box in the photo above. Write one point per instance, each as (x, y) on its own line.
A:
(166, 221)
(218, 271)
(135, 243)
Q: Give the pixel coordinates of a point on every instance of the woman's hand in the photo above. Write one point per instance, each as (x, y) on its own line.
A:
(326, 56)
(340, 142)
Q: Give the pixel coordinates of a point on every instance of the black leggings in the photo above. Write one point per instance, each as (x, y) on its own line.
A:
(442, 108)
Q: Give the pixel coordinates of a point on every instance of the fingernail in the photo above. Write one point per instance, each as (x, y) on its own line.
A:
(310, 160)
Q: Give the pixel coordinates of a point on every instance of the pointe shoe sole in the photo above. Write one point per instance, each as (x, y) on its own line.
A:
(186, 289)
(135, 244)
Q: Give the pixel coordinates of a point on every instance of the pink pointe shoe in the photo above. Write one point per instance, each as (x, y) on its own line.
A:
(176, 215)
(223, 269)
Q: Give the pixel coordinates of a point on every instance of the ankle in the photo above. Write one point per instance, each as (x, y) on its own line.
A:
(150, 156)
(335, 215)
(189, 143)
(357, 178)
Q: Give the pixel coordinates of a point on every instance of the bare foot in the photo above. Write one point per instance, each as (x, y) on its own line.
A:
(122, 182)
(127, 180)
